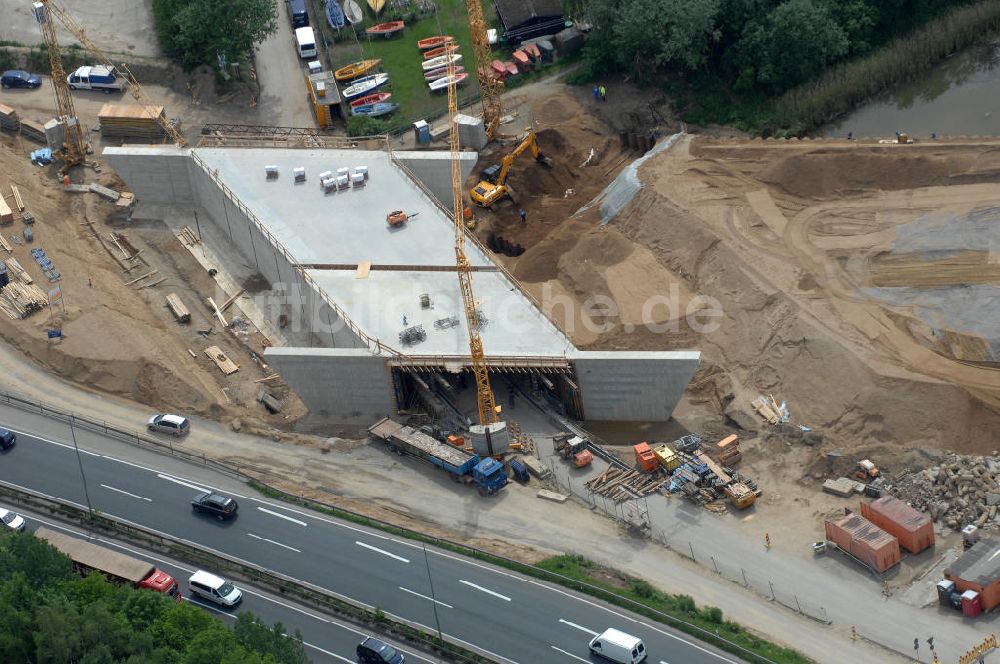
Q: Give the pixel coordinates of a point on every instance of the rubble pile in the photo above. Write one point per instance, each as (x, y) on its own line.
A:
(958, 491)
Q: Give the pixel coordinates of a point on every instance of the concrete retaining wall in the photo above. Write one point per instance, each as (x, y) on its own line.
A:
(344, 384)
(155, 175)
(633, 386)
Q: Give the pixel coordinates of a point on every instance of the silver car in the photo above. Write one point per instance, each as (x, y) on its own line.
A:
(175, 425)
(12, 520)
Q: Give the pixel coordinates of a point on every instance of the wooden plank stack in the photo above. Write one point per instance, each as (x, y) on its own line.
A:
(19, 300)
(33, 131)
(225, 365)
(6, 214)
(9, 119)
(18, 272)
(131, 121)
(620, 485)
(180, 312)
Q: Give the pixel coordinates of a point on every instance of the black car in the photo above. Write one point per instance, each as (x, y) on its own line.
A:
(223, 507)
(7, 439)
(373, 651)
(17, 78)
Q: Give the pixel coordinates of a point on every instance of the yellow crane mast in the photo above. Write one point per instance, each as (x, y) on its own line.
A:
(74, 147)
(78, 31)
(490, 84)
(480, 369)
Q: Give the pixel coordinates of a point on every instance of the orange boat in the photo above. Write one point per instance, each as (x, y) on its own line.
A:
(385, 29)
(441, 50)
(522, 59)
(355, 69)
(434, 42)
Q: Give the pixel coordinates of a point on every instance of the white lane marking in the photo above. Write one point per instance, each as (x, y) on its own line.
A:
(111, 488)
(384, 553)
(430, 599)
(662, 662)
(579, 627)
(693, 645)
(282, 516)
(569, 654)
(485, 590)
(271, 541)
(182, 482)
(327, 652)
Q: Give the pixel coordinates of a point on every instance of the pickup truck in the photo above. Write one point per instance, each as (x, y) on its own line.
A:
(96, 78)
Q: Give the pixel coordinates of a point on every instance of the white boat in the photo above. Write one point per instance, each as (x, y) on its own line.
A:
(352, 12)
(442, 83)
(441, 61)
(365, 85)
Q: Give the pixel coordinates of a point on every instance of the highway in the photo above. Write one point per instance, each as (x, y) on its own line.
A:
(326, 640)
(511, 618)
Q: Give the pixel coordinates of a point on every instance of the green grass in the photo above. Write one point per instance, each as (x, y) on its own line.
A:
(401, 58)
(579, 574)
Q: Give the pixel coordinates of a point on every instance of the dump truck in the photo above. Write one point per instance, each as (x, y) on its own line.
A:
(487, 474)
(114, 565)
(96, 78)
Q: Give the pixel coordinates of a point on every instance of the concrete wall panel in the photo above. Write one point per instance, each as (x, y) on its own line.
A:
(633, 386)
(433, 169)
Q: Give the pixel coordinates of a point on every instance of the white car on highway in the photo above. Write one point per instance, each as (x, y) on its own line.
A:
(12, 520)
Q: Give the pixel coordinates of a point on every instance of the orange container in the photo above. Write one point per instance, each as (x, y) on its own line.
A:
(913, 529)
(864, 540)
(583, 458)
(644, 457)
(457, 441)
(978, 569)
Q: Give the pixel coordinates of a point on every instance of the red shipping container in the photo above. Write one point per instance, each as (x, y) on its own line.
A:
(971, 604)
(978, 569)
(913, 529)
(864, 540)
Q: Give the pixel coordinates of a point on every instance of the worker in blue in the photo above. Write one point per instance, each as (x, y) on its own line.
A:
(597, 92)
(524, 216)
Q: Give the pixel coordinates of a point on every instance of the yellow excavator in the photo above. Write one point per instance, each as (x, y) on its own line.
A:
(493, 184)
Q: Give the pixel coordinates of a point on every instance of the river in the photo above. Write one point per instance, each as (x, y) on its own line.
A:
(959, 97)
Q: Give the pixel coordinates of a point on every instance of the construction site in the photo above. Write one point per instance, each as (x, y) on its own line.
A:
(614, 309)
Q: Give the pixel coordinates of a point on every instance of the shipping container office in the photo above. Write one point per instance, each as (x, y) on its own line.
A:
(978, 569)
(864, 540)
(913, 529)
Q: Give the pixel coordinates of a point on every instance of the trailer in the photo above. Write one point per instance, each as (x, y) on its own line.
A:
(117, 567)
(488, 475)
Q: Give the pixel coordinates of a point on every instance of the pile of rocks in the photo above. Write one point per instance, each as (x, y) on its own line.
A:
(958, 491)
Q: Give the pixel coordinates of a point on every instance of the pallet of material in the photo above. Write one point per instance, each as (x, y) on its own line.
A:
(6, 214)
(131, 120)
(9, 119)
(33, 131)
(180, 312)
(19, 300)
(225, 365)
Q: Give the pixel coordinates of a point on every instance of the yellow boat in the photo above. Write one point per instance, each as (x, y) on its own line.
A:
(355, 70)
(376, 5)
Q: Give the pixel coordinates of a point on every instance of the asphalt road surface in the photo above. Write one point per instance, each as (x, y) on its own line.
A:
(509, 617)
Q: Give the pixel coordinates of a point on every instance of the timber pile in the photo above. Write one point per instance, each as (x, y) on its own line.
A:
(19, 300)
(225, 365)
(180, 312)
(33, 131)
(18, 272)
(620, 485)
(131, 121)
(9, 119)
(6, 214)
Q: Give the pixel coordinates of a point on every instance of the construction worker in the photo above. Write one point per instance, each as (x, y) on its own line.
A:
(597, 92)
(604, 93)
(767, 541)
(524, 216)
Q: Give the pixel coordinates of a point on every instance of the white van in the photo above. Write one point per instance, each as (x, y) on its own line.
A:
(214, 588)
(618, 647)
(305, 41)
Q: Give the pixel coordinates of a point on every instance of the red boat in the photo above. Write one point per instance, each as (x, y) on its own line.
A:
(533, 51)
(385, 29)
(374, 98)
(441, 50)
(434, 42)
(511, 68)
(522, 59)
(500, 68)
(435, 74)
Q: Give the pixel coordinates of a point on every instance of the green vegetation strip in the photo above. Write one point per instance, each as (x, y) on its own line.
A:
(579, 574)
(844, 87)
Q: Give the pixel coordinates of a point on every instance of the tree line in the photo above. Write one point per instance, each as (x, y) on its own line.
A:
(52, 616)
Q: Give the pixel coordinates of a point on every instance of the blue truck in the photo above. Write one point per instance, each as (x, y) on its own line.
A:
(487, 474)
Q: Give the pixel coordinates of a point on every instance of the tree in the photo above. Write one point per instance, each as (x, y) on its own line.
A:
(199, 32)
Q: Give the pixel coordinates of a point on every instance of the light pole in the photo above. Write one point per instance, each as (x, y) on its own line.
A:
(437, 621)
(79, 460)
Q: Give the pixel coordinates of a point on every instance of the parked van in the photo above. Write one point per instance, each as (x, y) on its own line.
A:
(214, 588)
(618, 647)
(305, 41)
(297, 11)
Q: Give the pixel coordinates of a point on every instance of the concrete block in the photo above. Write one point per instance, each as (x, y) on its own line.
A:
(535, 467)
(545, 494)
(842, 487)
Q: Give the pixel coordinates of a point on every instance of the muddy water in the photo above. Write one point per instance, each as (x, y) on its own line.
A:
(959, 97)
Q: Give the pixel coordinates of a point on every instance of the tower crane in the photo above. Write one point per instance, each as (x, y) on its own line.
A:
(480, 369)
(74, 146)
(48, 8)
(490, 85)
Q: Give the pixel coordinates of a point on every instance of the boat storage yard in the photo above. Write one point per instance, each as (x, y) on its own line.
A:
(358, 296)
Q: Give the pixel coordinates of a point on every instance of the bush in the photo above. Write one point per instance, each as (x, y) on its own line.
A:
(362, 125)
(712, 614)
(686, 604)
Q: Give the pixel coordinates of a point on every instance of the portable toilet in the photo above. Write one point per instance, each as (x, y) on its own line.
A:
(971, 604)
(422, 132)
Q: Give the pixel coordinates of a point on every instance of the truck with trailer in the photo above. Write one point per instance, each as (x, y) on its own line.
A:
(96, 78)
(487, 474)
(115, 566)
